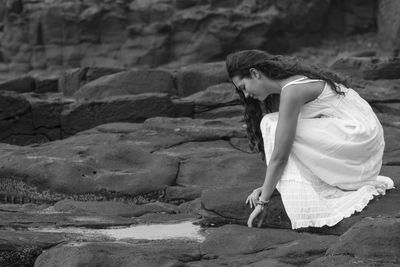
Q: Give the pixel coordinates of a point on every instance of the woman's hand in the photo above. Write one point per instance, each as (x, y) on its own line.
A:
(258, 211)
(252, 199)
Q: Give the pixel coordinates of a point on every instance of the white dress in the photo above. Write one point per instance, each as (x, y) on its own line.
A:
(333, 167)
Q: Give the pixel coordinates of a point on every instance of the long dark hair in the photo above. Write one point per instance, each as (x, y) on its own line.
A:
(275, 67)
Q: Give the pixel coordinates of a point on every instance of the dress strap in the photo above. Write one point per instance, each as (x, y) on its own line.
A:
(300, 81)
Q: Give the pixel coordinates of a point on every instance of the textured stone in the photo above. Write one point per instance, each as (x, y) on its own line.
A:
(389, 26)
(371, 238)
(228, 169)
(112, 254)
(132, 108)
(91, 167)
(127, 83)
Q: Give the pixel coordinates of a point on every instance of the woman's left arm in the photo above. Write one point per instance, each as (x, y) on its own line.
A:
(292, 99)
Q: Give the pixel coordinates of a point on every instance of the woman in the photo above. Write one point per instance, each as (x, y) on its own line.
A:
(324, 146)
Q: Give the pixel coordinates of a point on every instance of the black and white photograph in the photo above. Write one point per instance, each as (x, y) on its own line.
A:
(199, 133)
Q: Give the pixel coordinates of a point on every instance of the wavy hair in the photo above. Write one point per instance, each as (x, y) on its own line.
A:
(275, 67)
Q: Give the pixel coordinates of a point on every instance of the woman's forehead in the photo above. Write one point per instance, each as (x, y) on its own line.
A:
(237, 81)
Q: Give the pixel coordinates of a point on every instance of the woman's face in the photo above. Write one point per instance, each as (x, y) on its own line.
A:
(255, 86)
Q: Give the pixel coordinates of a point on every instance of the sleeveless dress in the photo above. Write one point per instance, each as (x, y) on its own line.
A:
(333, 166)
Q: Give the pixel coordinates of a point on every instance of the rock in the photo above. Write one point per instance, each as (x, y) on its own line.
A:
(71, 80)
(195, 78)
(162, 253)
(133, 108)
(385, 69)
(379, 91)
(198, 129)
(47, 108)
(344, 261)
(369, 68)
(229, 204)
(127, 83)
(87, 168)
(222, 112)
(22, 248)
(176, 193)
(235, 239)
(391, 154)
(372, 238)
(112, 208)
(12, 105)
(199, 150)
(242, 144)
(389, 26)
(214, 96)
(228, 169)
(20, 85)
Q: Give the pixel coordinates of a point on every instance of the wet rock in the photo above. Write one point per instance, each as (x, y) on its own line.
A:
(161, 253)
(193, 207)
(112, 208)
(133, 108)
(127, 83)
(372, 238)
(229, 204)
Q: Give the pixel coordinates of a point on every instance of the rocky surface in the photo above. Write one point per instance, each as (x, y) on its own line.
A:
(98, 147)
(38, 34)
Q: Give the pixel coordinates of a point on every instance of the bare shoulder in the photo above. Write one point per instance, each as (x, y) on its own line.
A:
(302, 92)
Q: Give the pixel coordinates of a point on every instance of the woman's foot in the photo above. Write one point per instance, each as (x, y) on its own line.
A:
(386, 180)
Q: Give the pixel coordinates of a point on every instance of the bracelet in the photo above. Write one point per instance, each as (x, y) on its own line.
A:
(262, 202)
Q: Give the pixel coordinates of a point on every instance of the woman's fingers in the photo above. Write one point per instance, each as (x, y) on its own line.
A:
(262, 217)
(253, 215)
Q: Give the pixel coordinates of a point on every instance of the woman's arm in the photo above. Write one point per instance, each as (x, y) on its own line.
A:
(291, 100)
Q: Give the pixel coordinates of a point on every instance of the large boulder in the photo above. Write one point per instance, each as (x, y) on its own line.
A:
(115, 254)
(128, 83)
(132, 108)
(198, 77)
(111, 167)
(73, 79)
(372, 238)
(228, 169)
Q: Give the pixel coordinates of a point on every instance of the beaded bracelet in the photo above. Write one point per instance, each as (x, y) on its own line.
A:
(262, 202)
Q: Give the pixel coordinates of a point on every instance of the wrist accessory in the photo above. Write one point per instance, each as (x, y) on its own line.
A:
(262, 202)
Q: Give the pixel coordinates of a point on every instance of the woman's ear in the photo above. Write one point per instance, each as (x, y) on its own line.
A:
(255, 73)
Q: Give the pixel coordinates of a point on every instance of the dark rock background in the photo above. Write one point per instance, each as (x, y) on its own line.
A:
(115, 113)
